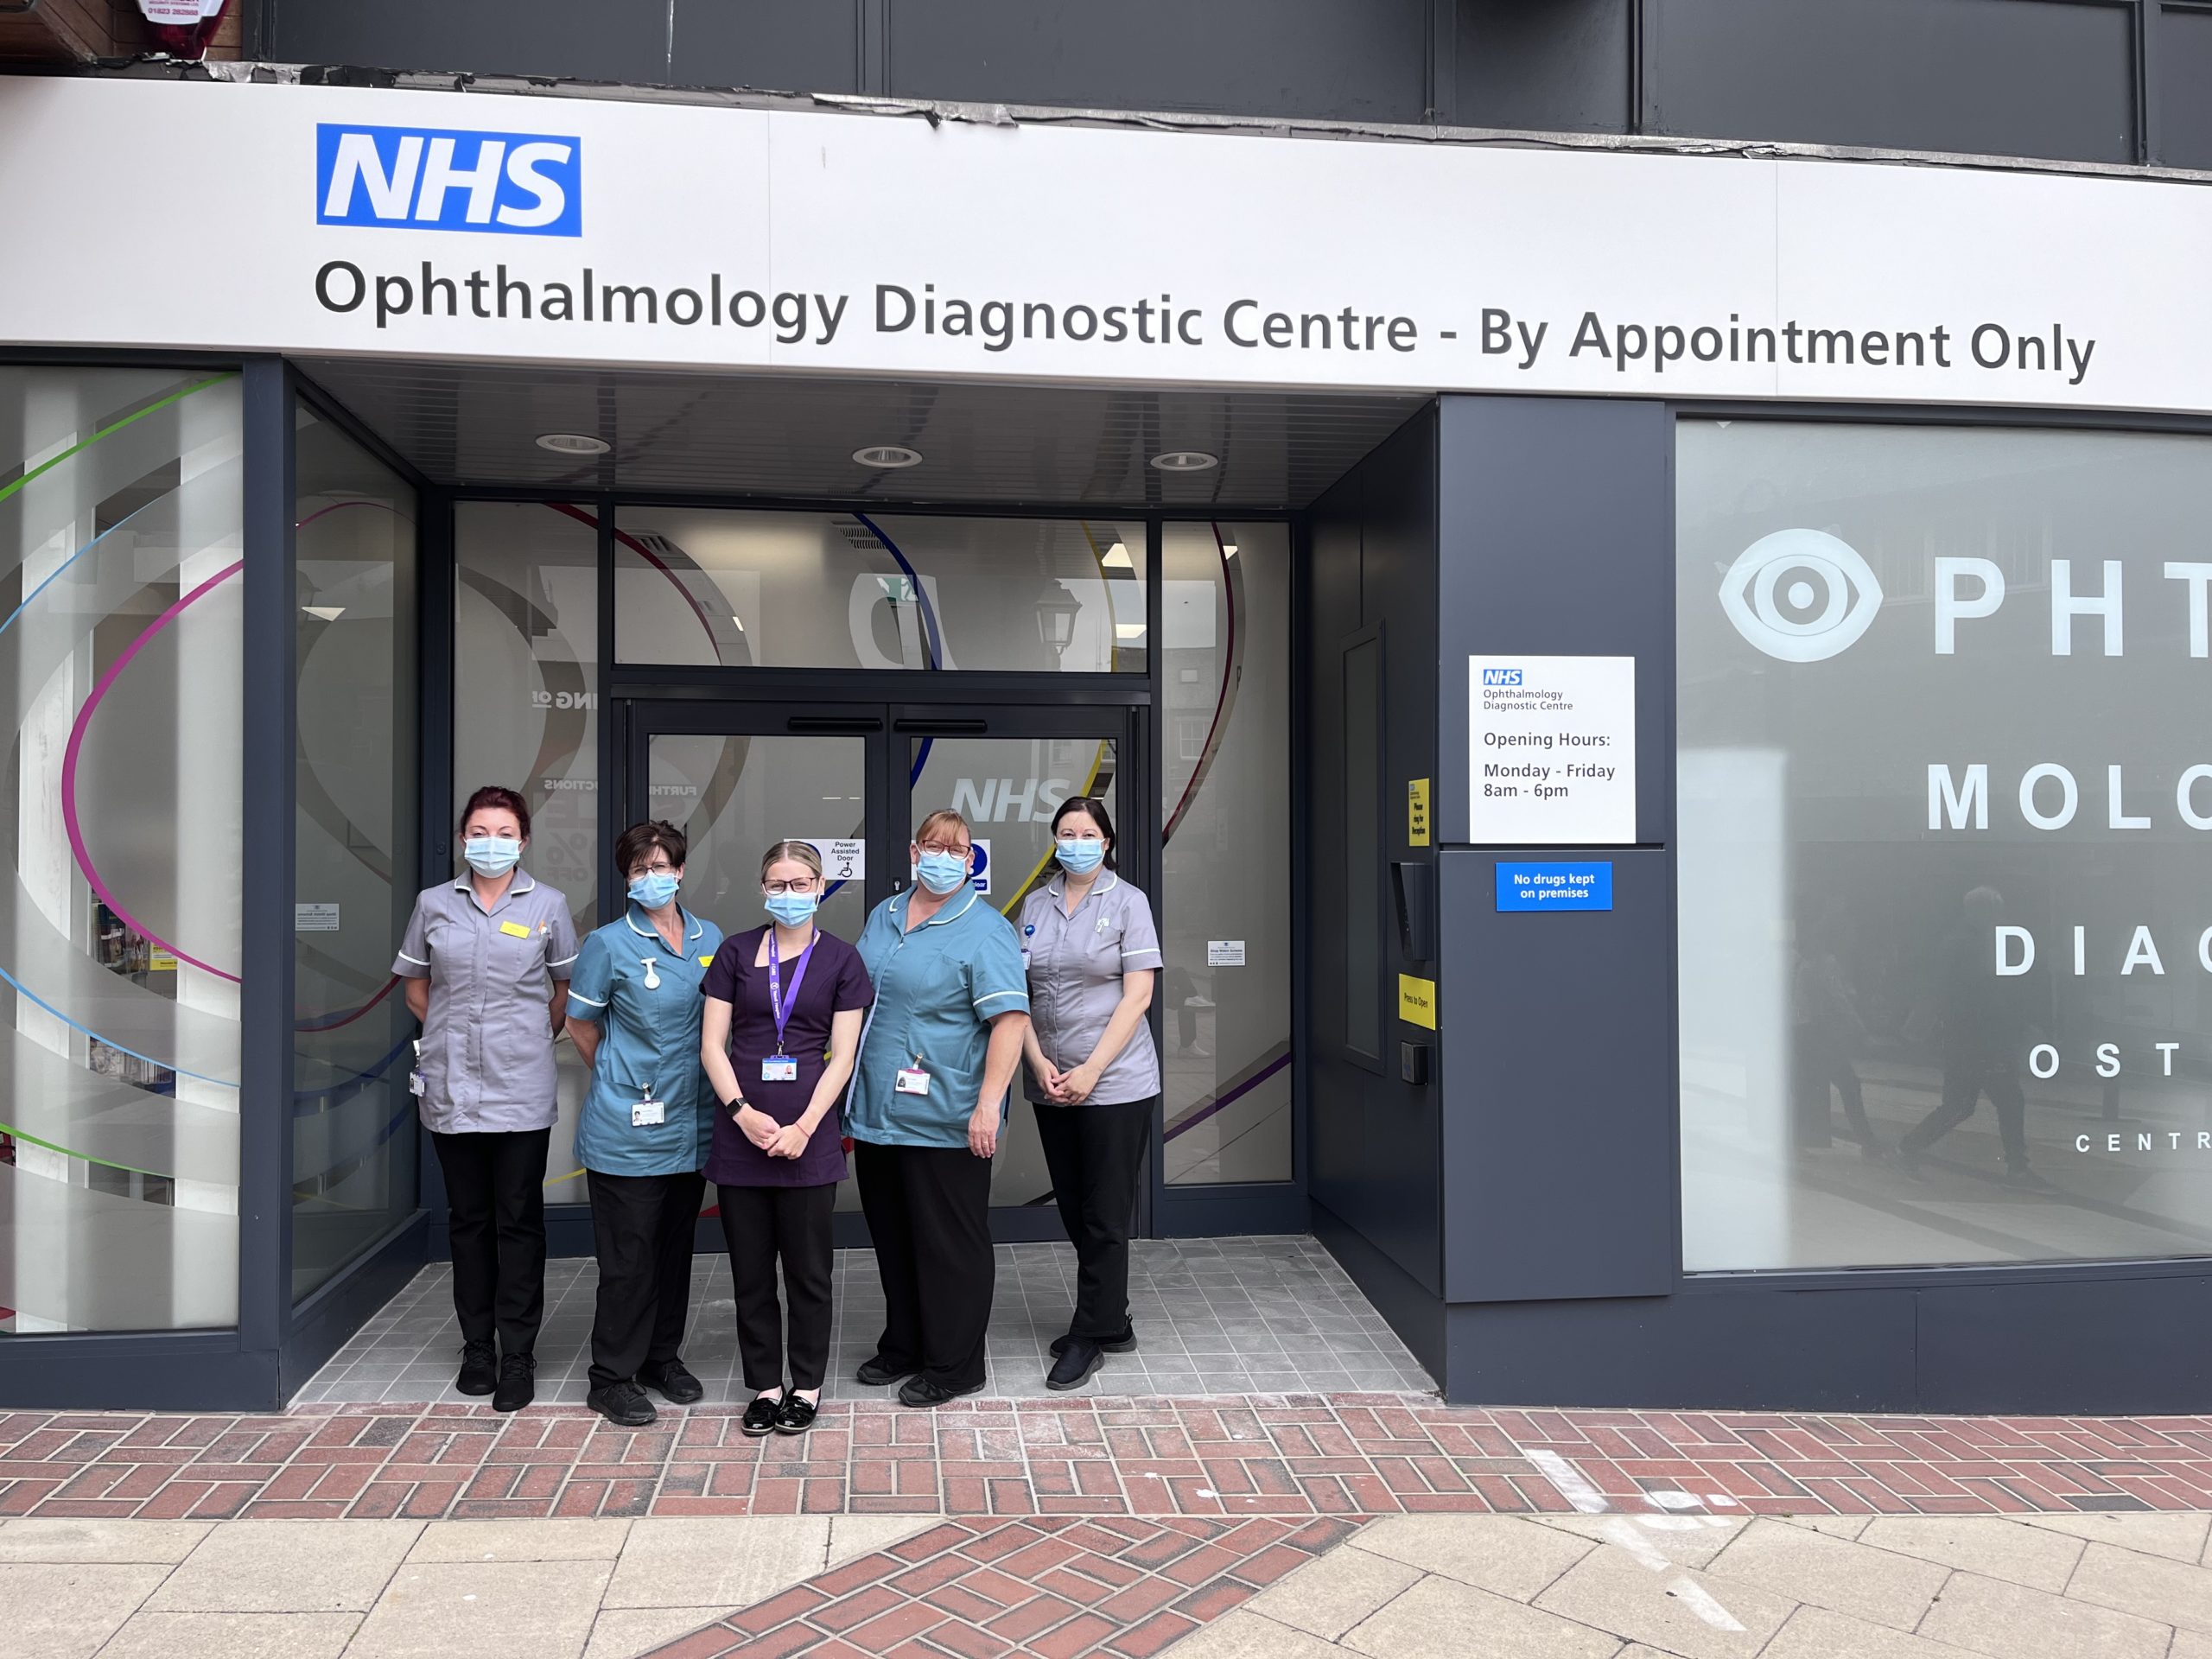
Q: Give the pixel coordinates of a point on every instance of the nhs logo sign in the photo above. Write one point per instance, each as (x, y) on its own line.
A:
(438, 179)
(1501, 677)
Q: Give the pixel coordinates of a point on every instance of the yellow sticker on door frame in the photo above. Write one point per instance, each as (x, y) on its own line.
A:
(1417, 812)
(1417, 1001)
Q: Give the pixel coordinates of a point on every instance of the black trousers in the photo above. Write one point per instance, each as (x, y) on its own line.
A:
(495, 1195)
(642, 1228)
(929, 1215)
(1094, 1154)
(763, 1225)
(1964, 1084)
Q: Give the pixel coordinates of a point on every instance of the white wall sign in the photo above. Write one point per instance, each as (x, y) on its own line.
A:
(314, 918)
(842, 859)
(1224, 953)
(359, 220)
(1551, 751)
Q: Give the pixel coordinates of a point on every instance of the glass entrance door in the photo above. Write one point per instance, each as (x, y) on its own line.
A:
(854, 779)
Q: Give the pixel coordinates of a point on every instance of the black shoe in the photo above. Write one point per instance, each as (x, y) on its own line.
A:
(517, 1383)
(673, 1383)
(1077, 1361)
(479, 1368)
(877, 1371)
(761, 1415)
(797, 1414)
(623, 1404)
(1124, 1344)
(919, 1391)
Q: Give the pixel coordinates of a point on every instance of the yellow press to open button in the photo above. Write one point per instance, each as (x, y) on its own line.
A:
(1417, 1001)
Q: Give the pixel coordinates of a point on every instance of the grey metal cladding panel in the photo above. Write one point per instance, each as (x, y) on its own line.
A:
(808, 46)
(1335, 60)
(1559, 1095)
(1557, 65)
(593, 40)
(1555, 534)
(1992, 77)
(1750, 1348)
(2128, 1345)
(2184, 67)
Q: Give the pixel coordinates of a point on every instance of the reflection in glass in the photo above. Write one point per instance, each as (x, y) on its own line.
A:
(354, 1157)
(1881, 817)
(713, 586)
(1008, 788)
(121, 640)
(526, 714)
(1226, 1049)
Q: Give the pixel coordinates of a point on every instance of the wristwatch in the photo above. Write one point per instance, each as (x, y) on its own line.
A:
(733, 1107)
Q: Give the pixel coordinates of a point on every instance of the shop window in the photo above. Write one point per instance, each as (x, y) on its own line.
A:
(353, 1151)
(1944, 797)
(122, 633)
(1225, 899)
(719, 588)
(526, 714)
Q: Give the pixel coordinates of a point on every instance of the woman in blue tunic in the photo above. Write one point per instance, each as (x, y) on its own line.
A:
(634, 1011)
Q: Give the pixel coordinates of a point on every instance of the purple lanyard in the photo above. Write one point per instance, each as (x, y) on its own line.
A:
(777, 1006)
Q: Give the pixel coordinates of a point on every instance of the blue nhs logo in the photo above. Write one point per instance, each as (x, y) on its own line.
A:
(438, 179)
(1501, 677)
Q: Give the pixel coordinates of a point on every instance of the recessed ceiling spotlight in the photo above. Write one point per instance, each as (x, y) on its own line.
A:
(1229, 549)
(1185, 460)
(572, 443)
(887, 456)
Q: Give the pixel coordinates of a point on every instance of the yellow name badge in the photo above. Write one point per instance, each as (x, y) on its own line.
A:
(515, 929)
(705, 961)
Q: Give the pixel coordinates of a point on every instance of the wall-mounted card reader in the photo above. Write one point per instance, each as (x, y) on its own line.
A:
(1413, 887)
(1413, 1062)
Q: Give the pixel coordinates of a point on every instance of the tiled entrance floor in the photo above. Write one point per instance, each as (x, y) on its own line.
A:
(1214, 1316)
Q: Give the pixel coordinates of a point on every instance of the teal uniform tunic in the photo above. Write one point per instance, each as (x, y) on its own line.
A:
(645, 1000)
(937, 989)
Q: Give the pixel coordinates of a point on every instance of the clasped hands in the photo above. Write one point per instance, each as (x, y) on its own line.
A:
(777, 1140)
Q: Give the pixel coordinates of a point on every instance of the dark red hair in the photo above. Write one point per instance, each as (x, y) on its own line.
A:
(501, 798)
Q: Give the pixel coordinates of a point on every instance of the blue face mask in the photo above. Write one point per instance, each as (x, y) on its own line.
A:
(792, 909)
(941, 872)
(1079, 856)
(655, 890)
(492, 854)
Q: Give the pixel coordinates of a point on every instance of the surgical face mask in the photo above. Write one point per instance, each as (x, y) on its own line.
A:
(1080, 856)
(792, 909)
(490, 855)
(655, 888)
(941, 872)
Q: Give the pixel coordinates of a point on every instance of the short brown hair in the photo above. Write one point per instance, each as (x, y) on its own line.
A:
(639, 839)
(804, 852)
(943, 818)
(500, 798)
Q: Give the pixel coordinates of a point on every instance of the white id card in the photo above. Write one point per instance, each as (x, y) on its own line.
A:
(648, 1114)
(911, 1080)
(415, 1084)
(780, 1068)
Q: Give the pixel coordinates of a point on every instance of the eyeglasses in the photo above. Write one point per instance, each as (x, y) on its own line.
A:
(777, 889)
(662, 868)
(953, 847)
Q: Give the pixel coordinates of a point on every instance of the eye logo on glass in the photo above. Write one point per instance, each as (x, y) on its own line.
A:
(439, 178)
(1801, 595)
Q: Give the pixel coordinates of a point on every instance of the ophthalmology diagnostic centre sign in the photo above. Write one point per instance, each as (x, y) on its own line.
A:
(329, 219)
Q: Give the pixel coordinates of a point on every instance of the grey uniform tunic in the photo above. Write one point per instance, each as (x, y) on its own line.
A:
(1075, 963)
(487, 1041)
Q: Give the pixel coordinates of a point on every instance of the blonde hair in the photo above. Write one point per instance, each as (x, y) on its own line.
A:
(942, 818)
(802, 851)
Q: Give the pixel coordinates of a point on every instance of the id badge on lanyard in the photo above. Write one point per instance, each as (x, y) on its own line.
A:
(780, 1067)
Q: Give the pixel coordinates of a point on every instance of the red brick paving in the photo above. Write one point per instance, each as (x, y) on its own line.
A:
(1288, 1455)
(948, 1592)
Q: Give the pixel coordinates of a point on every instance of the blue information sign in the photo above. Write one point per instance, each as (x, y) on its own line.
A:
(1556, 887)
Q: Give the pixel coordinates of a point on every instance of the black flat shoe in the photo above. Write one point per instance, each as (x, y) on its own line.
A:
(1124, 1344)
(921, 1393)
(797, 1416)
(1077, 1361)
(761, 1415)
(479, 1368)
(517, 1383)
(673, 1383)
(876, 1371)
(623, 1404)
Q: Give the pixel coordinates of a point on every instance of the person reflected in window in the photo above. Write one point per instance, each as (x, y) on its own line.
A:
(1982, 1028)
(486, 962)
(1829, 1031)
(928, 1107)
(1092, 956)
(634, 1015)
(785, 1003)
